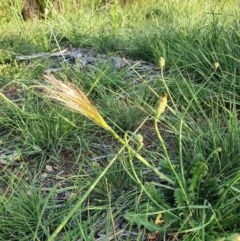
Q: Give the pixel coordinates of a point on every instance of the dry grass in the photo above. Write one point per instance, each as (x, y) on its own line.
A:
(73, 98)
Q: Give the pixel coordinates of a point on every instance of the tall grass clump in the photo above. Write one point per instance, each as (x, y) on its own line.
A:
(37, 127)
(192, 190)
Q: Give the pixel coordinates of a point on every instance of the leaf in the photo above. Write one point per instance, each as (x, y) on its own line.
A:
(199, 170)
(179, 197)
(161, 105)
(211, 188)
(155, 193)
(142, 220)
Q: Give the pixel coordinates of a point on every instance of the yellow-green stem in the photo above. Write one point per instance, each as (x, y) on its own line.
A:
(141, 159)
(168, 159)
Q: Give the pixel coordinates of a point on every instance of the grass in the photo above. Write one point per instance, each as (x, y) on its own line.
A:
(117, 167)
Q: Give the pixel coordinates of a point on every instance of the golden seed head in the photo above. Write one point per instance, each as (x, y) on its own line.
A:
(161, 62)
(162, 104)
(73, 98)
(215, 65)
